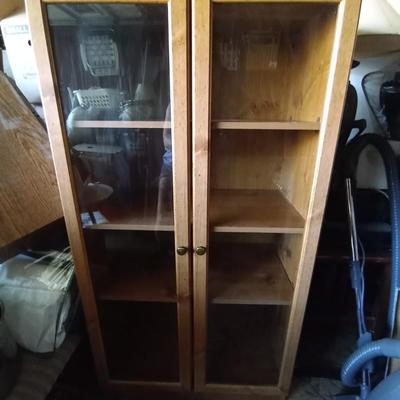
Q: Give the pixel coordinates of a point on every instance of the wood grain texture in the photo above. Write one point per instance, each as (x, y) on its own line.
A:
(346, 27)
(253, 211)
(179, 82)
(201, 70)
(247, 274)
(29, 198)
(59, 145)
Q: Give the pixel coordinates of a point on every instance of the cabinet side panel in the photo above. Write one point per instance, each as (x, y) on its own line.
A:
(52, 107)
(315, 56)
(298, 167)
(346, 27)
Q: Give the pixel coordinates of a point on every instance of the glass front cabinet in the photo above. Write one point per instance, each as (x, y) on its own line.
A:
(193, 145)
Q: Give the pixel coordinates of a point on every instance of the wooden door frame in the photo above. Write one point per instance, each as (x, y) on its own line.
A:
(201, 105)
(178, 57)
(346, 25)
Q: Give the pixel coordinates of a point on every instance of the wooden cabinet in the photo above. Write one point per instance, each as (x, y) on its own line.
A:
(194, 256)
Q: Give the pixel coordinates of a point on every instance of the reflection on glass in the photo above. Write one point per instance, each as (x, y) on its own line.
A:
(265, 76)
(112, 70)
(112, 73)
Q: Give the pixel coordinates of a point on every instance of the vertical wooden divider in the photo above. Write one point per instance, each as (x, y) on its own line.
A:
(201, 69)
(178, 47)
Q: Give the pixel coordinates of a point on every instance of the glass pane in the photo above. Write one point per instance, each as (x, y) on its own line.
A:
(112, 64)
(141, 341)
(269, 76)
(269, 63)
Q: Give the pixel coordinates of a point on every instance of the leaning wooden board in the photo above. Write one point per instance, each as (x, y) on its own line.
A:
(29, 198)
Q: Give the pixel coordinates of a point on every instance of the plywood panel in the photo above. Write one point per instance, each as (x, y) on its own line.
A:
(29, 197)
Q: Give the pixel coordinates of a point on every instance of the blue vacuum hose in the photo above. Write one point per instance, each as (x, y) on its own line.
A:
(352, 152)
(379, 348)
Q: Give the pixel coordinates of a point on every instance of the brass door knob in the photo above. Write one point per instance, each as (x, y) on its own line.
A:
(182, 250)
(200, 250)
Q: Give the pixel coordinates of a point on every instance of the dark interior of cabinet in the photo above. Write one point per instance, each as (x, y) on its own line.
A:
(245, 344)
(140, 340)
(136, 266)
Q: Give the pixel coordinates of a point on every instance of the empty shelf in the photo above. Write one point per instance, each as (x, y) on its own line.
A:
(253, 211)
(123, 124)
(267, 125)
(148, 283)
(136, 220)
(247, 274)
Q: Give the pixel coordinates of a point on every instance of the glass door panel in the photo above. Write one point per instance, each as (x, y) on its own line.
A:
(268, 62)
(269, 77)
(112, 65)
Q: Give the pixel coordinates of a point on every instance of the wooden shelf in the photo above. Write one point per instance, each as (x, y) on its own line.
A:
(253, 211)
(231, 210)
(135, 220)
(149, 283)
(123, 124)
(247, 274)
(268, 125)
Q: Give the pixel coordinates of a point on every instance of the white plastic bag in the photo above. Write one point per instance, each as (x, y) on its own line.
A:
(36, 301)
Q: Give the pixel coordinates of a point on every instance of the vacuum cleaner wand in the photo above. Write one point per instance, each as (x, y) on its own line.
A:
(357, 283)
(352, 221)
